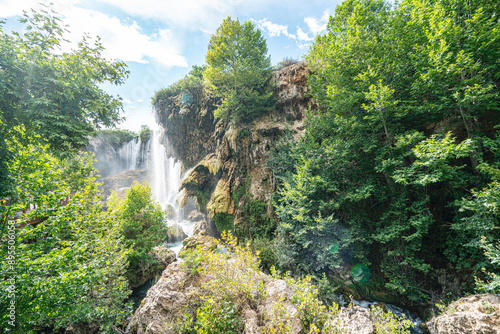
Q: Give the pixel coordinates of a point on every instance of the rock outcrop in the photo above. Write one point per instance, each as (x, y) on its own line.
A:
(226, 159)
(167, 300)
(478, 314)
(122, 181)
(175, 233)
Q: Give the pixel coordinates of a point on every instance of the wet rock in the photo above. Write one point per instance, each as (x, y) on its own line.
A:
(205, 228)
(175, 233)
(195, 216)
(478, 314)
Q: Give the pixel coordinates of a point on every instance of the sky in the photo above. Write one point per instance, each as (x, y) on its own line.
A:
(160, 40)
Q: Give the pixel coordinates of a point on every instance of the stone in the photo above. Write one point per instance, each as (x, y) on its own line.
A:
(195, 216)
(355, 320)
(205, 228)
(175, 233)
(163, 302)
(277, 291)
(479, 314)
(198, 240)
(164, 255)
(251, 320)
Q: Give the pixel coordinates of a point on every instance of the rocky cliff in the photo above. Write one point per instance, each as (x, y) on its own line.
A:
(226, 162)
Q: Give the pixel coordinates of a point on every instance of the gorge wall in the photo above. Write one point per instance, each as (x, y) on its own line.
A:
(225, 163)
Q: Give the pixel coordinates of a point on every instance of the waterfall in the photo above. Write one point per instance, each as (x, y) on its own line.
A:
(133, 155)
(165, 174)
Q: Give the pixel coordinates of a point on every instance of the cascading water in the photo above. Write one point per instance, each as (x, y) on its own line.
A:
(133, 154)
(165, 174)
(165, 179)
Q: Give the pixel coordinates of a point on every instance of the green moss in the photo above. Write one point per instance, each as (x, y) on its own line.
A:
(224, 222)
(239, 193)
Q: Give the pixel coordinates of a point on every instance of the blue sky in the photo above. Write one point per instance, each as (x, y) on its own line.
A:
(161, 39)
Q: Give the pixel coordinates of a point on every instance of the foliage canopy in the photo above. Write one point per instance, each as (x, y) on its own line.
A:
(238, 71)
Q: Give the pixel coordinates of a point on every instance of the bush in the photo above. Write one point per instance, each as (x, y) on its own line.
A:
(285, 63)
(70, 258)
(216, 317)
(232, 272)
(388, 323)
(143, 227)
(193, 260)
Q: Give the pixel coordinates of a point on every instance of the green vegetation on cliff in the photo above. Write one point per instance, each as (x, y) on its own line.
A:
(398, 169)
(238, 71)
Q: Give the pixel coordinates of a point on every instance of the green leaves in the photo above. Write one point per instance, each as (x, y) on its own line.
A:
(142, 225)
(238, 71)
(70, 258)
(402, 149)
(56, 94)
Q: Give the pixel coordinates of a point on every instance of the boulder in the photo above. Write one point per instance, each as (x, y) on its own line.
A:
(277, 291)
(195, 216)
(355, 320)
(205, 228)
(195, 240)
(164, 301)
(175, 233)
(478, 314)
(164, 255)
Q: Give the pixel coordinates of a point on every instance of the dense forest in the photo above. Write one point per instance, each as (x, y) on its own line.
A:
(394, 182)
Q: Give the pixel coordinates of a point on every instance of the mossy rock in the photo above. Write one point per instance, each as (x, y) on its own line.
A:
(198, 240)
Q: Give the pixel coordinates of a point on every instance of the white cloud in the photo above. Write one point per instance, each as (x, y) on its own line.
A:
(302, 36)
(273, 29)
(317, 26)
(124, 41)
(10, 8)
(190, 14)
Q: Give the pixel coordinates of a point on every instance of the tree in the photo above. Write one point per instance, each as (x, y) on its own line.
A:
(56, 93)
(142, 225)
(404, 140)
(70, 259)
(238, 71)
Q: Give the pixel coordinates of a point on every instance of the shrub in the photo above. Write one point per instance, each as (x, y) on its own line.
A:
(143, 227)
(193, 260)
(232, 272)
(278, 322)
(388, 323)
(216, 317)
(145, 133)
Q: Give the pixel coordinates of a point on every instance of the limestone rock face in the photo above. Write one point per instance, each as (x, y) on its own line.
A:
(478, 314)
(198, 240)
(175, 233)
(122, 181)
(225, 158)
(164, 255)
(205, 228)
(356, 320)
(164, 301)
(195, 216)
